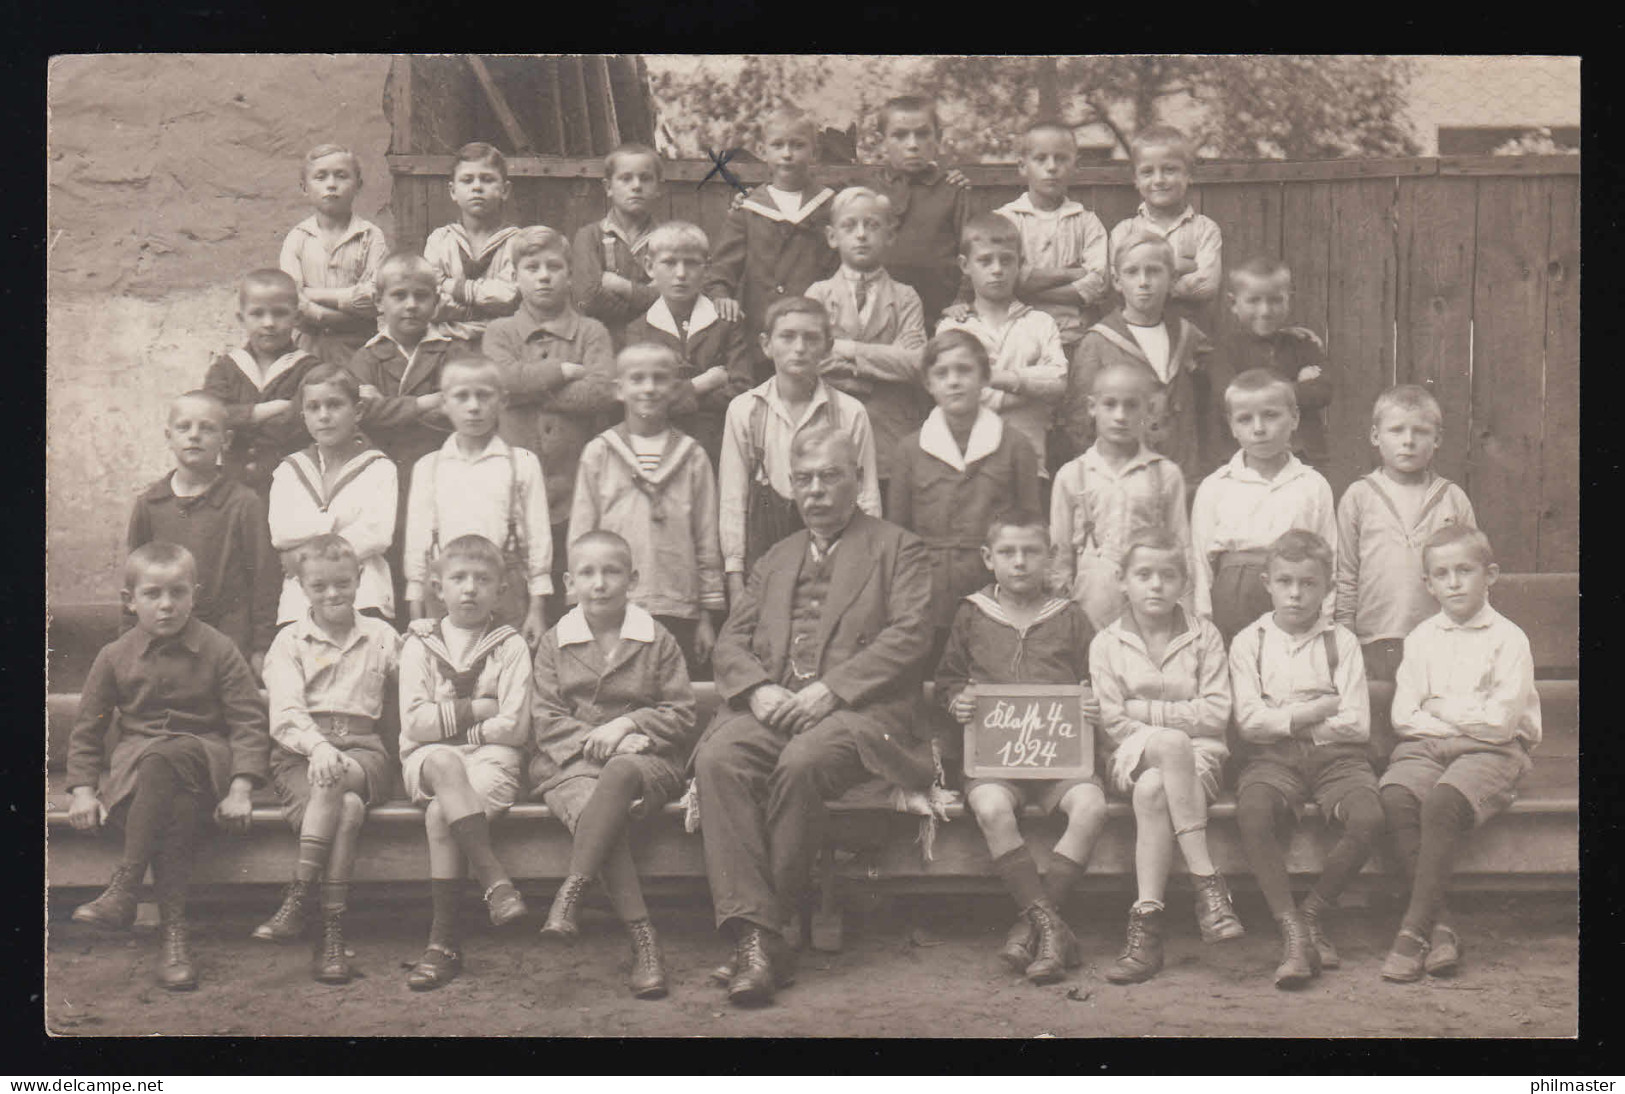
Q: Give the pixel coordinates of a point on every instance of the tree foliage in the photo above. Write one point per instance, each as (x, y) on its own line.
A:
(1248, 107)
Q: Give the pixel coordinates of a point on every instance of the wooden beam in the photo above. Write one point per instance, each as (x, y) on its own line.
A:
(1004, 174)
(400, 103)
(1509, 165)
(499, 103)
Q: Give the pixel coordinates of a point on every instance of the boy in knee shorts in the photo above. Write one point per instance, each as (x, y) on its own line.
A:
(326, 674)
(465, 720)
(1013, 632)
(1467, 714)
(1304, 716)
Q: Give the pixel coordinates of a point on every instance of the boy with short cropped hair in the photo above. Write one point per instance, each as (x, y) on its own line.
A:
(772, 246)
(610, 257)
(1382, 521)
(1116, 488)
(1303, 713)
(1260, 298)
(191, 730)
(558, 368)
(959, 471)
(1144, 332)
(1467, 715)
(326, 677)
(714, 357)
(877, 323)
(1013, 632)
(651, 484)
(1162, 158)
(258, 380)
(333, 256)
(470, 255)
(756, 505)
(479, 484)
(1029, 366)
(1065, 273)
(614, 724)
(931, 206)
(220, 521)
(465, 686)
(1247, 504)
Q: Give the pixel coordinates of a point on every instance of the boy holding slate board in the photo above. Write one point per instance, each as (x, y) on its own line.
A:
(1014, 632)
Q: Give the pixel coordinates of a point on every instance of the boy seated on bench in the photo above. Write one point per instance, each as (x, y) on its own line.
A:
(191, 730)
(1013, 632)
(1467, 714)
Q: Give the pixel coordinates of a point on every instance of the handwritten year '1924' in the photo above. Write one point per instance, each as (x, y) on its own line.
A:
(1035, 744)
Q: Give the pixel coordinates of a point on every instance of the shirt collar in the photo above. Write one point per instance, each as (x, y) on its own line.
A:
(495, 243)
(1238, 470)
(190, 636)
(562, 325)
(1144, 214)
(497, 449)
(762, 203)
(610, 228)
(768, 392)
(250, 368)
(1482, 618)
(1097, 463)
(660, 318)
(1295, 641)
(936, 439)
(356, 227)
(214, 494)
(873, 277)
(436, 333)
(573, 629)
(1024, 204)
(1126, 624)
(307, 629)
(820, 553)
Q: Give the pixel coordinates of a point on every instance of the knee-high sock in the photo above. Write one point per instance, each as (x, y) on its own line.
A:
(1019, 873)
(1062, 874)
(1446, 818)
(1362, 820)
(443, 931)
(1403, 812)
(473, 836)
(1258, 810)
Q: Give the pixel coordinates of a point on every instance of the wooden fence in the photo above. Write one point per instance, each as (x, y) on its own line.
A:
(1462, 273)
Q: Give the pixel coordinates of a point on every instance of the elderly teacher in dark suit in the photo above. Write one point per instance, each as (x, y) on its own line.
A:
(819, 667)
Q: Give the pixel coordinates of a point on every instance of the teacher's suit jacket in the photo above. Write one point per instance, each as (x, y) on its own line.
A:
(873, 638)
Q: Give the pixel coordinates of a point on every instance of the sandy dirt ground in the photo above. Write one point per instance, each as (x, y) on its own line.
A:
(926, 973)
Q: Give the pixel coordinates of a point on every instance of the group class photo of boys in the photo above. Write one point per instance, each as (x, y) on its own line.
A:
(765, 545)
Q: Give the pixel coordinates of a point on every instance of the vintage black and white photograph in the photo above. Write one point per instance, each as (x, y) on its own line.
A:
(633, 545)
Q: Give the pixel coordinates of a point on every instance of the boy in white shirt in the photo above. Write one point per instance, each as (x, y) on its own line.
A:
(1029, 365)
(1244, 506)
(1303, 713)
(1467, 714)
(478, 484)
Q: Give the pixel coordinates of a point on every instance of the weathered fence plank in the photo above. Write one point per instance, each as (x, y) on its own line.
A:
(1437, 220)
(1360, 307)
(1558, 547)
(1509, 321)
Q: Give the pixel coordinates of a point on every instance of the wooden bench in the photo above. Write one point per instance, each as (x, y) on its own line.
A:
(1533, 845)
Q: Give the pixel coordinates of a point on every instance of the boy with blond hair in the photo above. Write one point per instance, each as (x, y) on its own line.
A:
(1162, 158)
(714, 357)
(877, 321)
(1029, 366)
(1382, 521)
